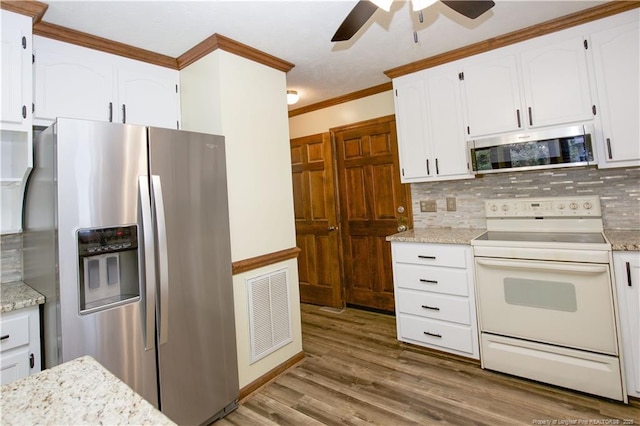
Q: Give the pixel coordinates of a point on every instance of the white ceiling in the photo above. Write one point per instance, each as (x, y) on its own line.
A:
(300, 32)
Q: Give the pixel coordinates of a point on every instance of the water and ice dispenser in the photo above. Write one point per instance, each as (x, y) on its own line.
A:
(108, 265)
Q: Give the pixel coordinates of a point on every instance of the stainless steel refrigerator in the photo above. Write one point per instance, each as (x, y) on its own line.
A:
(126, 233)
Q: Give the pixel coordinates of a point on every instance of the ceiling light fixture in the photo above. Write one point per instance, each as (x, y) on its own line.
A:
(292, 97)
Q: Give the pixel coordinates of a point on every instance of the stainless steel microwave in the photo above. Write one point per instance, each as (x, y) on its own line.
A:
(549, 148)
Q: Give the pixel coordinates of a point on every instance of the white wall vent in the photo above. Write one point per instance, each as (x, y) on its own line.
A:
(269, 313)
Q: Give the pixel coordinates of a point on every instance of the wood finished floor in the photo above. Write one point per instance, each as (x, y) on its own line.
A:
(356, 372)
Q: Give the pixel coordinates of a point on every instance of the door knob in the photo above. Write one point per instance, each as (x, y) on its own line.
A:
(333, 228)
(402, 228)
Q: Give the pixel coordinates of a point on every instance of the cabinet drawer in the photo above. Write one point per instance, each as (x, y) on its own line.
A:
(429, 305)
(435, 333)
(428, 278)
(14, 331)
(430, 254)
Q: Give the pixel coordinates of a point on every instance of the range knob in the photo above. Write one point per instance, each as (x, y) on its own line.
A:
(573, 206)
(561, 206)
(505, 207)
(587, 206)
(494, 208)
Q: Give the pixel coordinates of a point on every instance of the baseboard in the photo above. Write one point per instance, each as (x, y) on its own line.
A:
(248, 390)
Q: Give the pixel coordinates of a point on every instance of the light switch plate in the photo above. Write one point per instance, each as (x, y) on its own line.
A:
(451, 204)
(428, 206)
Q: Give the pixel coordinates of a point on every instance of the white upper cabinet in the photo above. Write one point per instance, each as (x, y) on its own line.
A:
(492, 96)
(556, 84)
(430, 125)
(529, 87)
(616, 59)
(76, 82)
(15, 46)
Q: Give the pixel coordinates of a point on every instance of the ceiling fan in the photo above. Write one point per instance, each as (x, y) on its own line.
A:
(363, 10)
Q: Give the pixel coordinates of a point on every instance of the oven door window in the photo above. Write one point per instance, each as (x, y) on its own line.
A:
(562, 303)
(554, 295)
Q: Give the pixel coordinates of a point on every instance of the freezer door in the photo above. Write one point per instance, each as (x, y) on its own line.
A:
(197, 349)
(98, 167)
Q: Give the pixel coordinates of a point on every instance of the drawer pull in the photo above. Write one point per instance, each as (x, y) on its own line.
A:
(6, 336)
(422, 280)
(426, 257)
(432, 334)
(433, 308)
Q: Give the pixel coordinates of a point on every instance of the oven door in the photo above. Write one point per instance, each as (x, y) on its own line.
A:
(561, 303)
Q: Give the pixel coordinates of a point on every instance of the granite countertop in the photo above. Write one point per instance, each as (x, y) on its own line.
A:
(437, 235)
(77, 392)
(624, 240)
(18, 295)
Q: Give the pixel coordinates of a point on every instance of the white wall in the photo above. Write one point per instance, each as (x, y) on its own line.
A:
(246, 103)
(320, 121)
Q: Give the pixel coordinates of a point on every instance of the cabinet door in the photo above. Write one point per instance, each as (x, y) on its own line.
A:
(69, 84)
(15, 74)
(617, 66)
(14, 365)
(556, 84)
(492, 97)
(148, 95)
(445, 124)
(627, 272)
(410, 120)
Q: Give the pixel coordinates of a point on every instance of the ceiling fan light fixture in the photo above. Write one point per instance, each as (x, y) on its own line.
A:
(292, 97)
(383, 4)
(421, 4)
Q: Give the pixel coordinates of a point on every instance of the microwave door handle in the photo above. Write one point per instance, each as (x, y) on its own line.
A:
(163, 262)
(149, 273)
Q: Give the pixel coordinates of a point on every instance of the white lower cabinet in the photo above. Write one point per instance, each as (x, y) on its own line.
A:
(627, 272)
(435, 298)
(19, 344)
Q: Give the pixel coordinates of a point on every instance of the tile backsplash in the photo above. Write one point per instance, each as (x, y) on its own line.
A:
(11, 257)
(619, 191)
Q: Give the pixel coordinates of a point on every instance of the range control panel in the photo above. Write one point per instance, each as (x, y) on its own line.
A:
(582, 206)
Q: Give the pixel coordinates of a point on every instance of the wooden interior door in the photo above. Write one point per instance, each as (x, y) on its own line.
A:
(317, 231)
(373, 205)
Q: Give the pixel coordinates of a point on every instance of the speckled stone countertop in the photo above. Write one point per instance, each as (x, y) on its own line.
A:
(624, 240)
(437, 235)
(18, 295)
(77, 392)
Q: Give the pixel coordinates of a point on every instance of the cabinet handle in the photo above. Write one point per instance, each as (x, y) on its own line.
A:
(110, 112)
(24, 111)
(628, 274)
(432, 334)
(433, 308)
(32, 361)
(609, 149)
(5, 337)
(426, 257)
(422, 280)
(437, 168)
(530, 117)
(124, 113)
(518, 116)
(428, 167)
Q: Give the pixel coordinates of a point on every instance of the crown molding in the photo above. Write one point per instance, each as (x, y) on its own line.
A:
(34, 9)
(562, 23)
(217, 41)
(342, 99)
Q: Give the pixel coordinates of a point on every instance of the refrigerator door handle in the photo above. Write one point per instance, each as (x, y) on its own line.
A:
(163, 262)
(149, 272)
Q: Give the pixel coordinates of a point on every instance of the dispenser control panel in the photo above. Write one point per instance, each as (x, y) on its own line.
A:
(107, 240)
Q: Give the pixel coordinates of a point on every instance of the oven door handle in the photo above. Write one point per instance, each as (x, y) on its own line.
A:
(514, 264)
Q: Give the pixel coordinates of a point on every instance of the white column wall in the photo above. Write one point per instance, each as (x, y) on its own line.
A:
(246, 103)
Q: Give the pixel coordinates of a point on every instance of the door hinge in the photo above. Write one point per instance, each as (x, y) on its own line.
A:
(24, 42)
(593, 109)
(461, 76)
(586, 44)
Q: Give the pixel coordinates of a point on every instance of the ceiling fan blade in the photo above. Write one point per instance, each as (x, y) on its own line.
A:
(358, 16)
(471, 9)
